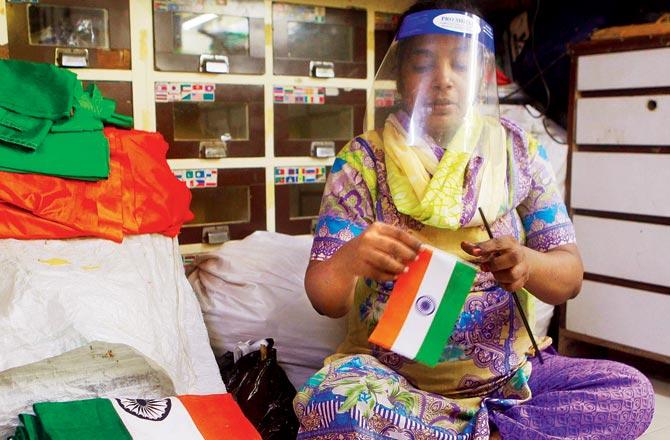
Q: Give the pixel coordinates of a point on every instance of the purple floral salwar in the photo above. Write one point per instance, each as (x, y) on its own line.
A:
(487, 377)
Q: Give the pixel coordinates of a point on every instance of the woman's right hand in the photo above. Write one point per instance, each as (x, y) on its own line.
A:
(381, 252)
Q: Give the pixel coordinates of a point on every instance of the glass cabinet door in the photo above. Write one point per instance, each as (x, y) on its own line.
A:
(71, 33)
(228, 204)
(211, 121)
(319, 41)
(210, 36)
(316, 121)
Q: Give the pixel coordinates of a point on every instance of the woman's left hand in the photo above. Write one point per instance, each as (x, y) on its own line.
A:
(505, 258)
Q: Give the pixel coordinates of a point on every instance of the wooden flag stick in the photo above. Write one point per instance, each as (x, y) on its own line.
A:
(516, 298)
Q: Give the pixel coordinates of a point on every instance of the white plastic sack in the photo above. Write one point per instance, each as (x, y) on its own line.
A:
(59, 295)
(254, 288)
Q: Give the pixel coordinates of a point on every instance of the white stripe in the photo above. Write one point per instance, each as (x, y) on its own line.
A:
(178, 424)
(435, 281)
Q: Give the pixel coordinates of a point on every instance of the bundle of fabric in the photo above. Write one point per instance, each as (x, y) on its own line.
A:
(184, 417)
(53, 126)
(141, 196)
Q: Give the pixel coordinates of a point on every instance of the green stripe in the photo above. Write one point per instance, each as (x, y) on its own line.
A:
(447, 313)
(90, 419)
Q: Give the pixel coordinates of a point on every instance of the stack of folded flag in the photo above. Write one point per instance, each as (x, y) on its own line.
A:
(63, 174)
(215, 416)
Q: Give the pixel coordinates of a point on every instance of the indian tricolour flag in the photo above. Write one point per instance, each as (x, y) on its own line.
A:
(215, 416)
(424, 306)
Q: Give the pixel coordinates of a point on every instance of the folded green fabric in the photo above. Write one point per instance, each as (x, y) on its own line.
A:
(91, 419)
(23, 131)
(82, 155)
(91, 109)
(36, 89)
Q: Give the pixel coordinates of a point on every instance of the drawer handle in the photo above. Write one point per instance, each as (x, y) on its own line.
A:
(652, 104)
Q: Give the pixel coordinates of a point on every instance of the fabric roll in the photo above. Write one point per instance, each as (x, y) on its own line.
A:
(141, 196)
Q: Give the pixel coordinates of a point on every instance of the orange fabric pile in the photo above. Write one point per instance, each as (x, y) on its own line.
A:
(141, 196)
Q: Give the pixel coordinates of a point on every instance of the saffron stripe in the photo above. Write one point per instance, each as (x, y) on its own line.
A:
(448, 311)
(219, 415)
(400, 302)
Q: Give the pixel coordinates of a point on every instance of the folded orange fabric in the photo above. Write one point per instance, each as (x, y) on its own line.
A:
(141, 196)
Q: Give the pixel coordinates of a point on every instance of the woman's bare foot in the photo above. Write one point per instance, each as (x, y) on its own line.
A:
(495, 436)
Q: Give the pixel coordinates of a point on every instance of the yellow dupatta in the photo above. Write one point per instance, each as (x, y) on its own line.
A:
(432, 191)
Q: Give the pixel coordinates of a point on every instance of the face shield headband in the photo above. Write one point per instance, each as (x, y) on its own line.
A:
(442, 65)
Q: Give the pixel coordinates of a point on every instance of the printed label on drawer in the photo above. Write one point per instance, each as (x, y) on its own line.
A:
(291, 175)
(304, 13)
(386, 98)
(198, 178)
(299, 95)
(171, 92)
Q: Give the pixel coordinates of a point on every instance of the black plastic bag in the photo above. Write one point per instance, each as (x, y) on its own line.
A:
(262, 390)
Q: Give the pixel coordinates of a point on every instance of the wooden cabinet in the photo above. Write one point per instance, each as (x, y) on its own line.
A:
(619, 182)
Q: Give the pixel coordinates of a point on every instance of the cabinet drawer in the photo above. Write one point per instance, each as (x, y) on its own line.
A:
(228, 204)
(624, 70)
(624, 120)
(621, 182)
(624, 249)
(631, 317)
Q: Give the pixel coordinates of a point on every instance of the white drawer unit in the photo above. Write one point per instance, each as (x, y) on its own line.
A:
(631, 317)
(624, 120)
(624, 70)
(621, 182)
(619, 196)
(624, 249)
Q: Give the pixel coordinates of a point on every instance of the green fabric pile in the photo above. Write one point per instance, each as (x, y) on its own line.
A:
(50, 125)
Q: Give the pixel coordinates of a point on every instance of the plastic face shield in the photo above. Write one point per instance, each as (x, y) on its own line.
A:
(443, 65)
